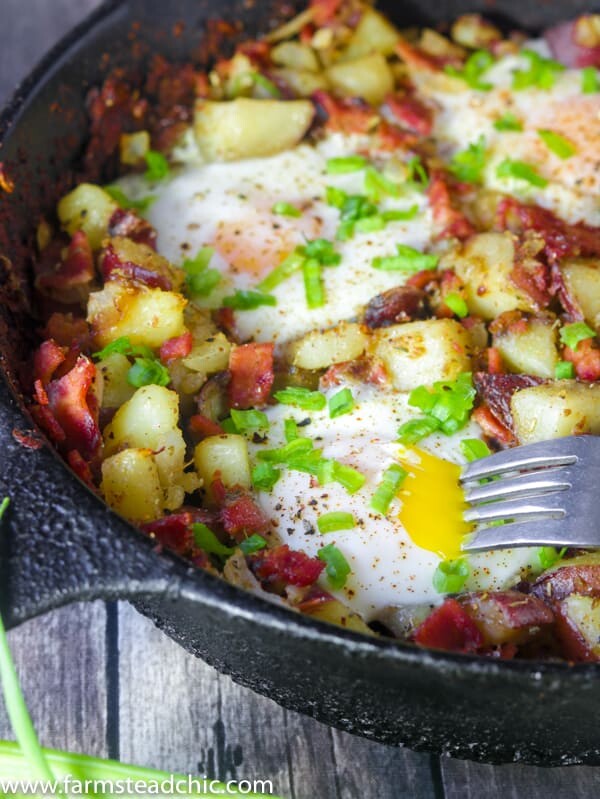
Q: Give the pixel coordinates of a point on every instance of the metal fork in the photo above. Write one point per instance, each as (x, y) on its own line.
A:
(546, 493)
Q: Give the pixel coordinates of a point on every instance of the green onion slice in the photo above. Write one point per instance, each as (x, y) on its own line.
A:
(341, 166)
(157, 166)
(341, 403)
(300, 397)
(457, 304)
(253, 544)
(407, 260)
(392, 479)
(590, 80)
(313, 283)
(335, 521)
(148, 372)
(337, 567)
(264, 476)
(508, 122)
(557, 144)
(549, 557)
(286, 209)
(564, 370)
(521, 170)
(206, 540)
(248, 300)
(572, 334)
(468, 165)
(293, 263)
(474, 448)
(249, 421)
(451, 576)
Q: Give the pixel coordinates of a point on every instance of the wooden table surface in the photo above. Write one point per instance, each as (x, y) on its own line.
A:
(101, 679)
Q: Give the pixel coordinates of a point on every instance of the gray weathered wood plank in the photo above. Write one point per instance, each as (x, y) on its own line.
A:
(61, 660)
(464, 780)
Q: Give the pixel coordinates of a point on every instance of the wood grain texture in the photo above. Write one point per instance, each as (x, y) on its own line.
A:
(61, 661)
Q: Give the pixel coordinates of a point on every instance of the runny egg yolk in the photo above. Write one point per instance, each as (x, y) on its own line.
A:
(433, 503)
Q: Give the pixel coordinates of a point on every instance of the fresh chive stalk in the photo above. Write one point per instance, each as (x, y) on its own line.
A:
(335, 521)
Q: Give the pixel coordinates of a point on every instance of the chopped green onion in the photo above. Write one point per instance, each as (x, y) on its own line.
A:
(264, 476)
(121, 346)
(286, 209)
(351, 479)
(291, 450)
(341, 403)
(564, 370)
(590, 80)
(468, 165)
(249, 421)
(572, 334)
(126, 203)
(446, 405)
(400, 215)
(335, 197)
(474, 448)
(200, 279)
(282, 272)
(451, 576)
(321, 250)
(457, 304)
(337, 567)
(549, 557)
(370, 224)
(475, 66)
(301, 397)
(313, 283)
(378, 185)
(148, 372)
(313, 463)
(413, 431)
(269, 87)
(158, 166)
(228, 425)
(392, 479)
(253, 544)
(417, 174)
(351, 163)
(407, 260)
(508, 121)
(248, 300)
(290, 430)
(4, 507)
(557, 144)
(335, 521)
(522, 171)
(206, 540)
(541, 73)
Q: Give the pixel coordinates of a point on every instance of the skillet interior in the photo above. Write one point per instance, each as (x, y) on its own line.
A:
(62, 544)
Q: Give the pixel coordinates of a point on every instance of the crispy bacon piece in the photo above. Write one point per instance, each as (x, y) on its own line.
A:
(74, 269)
(494, 361)
(569, 44)
(324, 11)
(203, 426)
(390, 138)
(507, 617)
(399, 304)
(560, 290)
(560, 238)
(532, 276)
(449, 627)
(411, 112)
(496, 391)
(69, 404)
(585, 359)
(578, 578)
(251, 368)
(179, 347)
(43, 416)
(346, 115)
(80, 467)
(29, 439)
(175, 532)
(112, 268)
(415, 58)
(363, 370)
(173, 88)
(46, 360)
(287, 566)
(242, 517)
(573, 644)
(449, 221)
(128, 224)
(493, 427)
(65, 329)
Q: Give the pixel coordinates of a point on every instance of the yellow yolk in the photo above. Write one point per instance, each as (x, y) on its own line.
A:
(433, 503)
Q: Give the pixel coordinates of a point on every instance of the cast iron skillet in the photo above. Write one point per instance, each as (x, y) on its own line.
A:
(61, 544)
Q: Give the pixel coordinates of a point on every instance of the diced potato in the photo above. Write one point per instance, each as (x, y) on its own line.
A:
(484, 264)
(583, 613)
(471, 30)
(438, 46)
(527, 344)
(582, 279)
(147, 316)
(336, 612)
(302, 82)
(373, 33)
(210, 356)
(142, 255)
(295, 55)
(150, 420)
(421, 353)
(131, 486)
(117, 389)
(553, 410)
(133, 147)
(369, 77)
(226, 454)
(248, 128)
(318, 350)
(88, 208)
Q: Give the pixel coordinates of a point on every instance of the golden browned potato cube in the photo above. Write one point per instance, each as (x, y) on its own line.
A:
(369, 77)
(88, 208)
(147, 316)
(582, 279)
(421, 353)
(373, 33)
(144, 256)
(336, 612)
(297, 56)
(226, 454)
(320, 349)
(554, 410)
(527, 343)
(131, 486)
(249, 128)
(133, 147)
(303, 82)
(484, 264)
(117, 390)
(209, 356)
